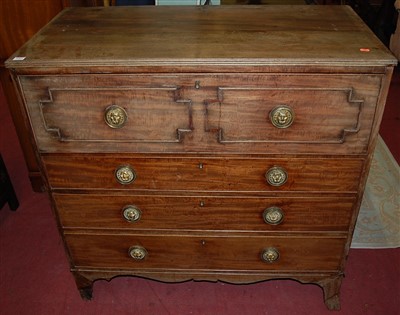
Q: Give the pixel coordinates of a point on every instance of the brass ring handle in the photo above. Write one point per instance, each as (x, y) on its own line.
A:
(282, 116)
(273, 215)
(270, 255)
(115, 116)
(276, 176)
(137, 252)
(131, 213)
(125, 175)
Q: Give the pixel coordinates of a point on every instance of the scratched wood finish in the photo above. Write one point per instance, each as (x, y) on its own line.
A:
(206, 252)
(163, 212)
(294, 35)
(198, 84)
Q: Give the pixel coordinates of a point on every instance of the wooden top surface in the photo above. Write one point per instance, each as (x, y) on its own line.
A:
(204, 35)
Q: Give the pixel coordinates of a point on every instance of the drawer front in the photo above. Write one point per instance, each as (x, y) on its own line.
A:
(204, 213)
(210, 113)
(202, 174)
(205, 252)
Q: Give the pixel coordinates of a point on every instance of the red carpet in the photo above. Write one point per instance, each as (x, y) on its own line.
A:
(35, 278)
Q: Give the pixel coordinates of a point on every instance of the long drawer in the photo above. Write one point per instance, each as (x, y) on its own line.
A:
(202, 174)
(243, 113)
(165, 252)
(143, 212)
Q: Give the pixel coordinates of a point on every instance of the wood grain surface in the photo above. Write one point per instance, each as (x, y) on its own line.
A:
(203, 35)
(206, 252)
(205, 212)
(214, 174)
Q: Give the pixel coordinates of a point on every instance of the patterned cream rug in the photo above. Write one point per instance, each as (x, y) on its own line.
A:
(378, 224)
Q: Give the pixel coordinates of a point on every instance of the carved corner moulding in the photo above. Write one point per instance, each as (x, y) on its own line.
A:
(221, 136)
(57, 132)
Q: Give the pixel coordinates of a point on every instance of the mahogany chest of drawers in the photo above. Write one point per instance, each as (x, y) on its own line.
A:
(206, 143)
